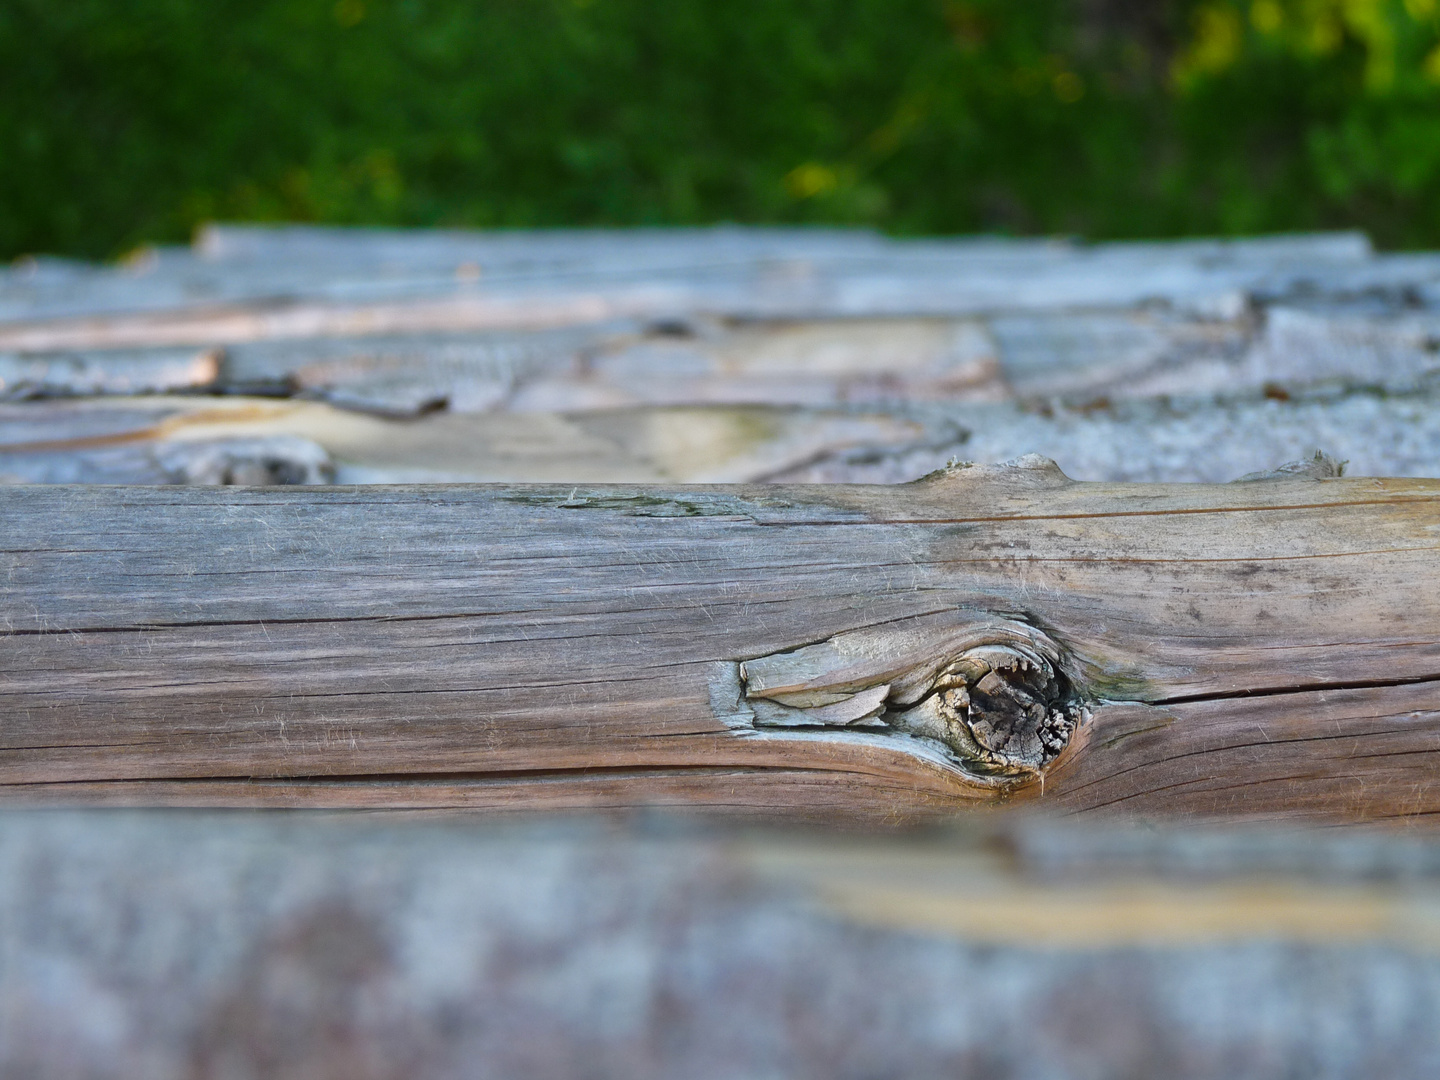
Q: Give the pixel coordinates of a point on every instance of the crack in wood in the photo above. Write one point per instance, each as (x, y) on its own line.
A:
(1307, 688)
(989, 693)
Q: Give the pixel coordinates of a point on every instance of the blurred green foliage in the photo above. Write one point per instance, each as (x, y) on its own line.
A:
(127, 121)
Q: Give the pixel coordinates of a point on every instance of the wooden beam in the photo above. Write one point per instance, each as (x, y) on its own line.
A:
(1268, 649)
(201, 945)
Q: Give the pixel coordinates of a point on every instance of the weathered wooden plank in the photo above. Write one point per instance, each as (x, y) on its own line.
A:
(743, 357)
(1195, 440)
(1035, 638)
(181, 946)
(168, 439)
(146, 371)
(139, 440)
(354, 286)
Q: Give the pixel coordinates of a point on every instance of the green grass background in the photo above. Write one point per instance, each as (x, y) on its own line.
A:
(124, 122)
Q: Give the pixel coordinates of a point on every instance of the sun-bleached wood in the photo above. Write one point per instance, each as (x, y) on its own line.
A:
(727, 355)
(1267, 649)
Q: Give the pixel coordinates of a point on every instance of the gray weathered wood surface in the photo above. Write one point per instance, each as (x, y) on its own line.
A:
(722, 355)
(1267, 649)
(166, 947)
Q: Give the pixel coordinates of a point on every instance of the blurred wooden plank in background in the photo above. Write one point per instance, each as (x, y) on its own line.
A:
(724, 355)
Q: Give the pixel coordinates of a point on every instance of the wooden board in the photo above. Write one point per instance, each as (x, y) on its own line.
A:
(153, 440)
(167, 946)
(1267, 649)
(252, 284)
(727, 355)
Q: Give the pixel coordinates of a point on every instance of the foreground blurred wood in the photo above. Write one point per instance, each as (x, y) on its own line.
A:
(159, 946)
(869, 654)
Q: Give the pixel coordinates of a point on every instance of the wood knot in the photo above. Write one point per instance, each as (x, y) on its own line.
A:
(1003, 709)
(990, 693)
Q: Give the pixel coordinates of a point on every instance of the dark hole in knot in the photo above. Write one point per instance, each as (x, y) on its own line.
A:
(1004, 710)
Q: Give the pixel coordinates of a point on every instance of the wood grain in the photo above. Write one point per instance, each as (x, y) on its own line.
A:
(1265, 649)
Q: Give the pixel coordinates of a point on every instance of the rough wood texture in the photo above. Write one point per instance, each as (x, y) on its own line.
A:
(1261, 649)
(179, 947)
(132, 440)
(252, 284)
(715, 356)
